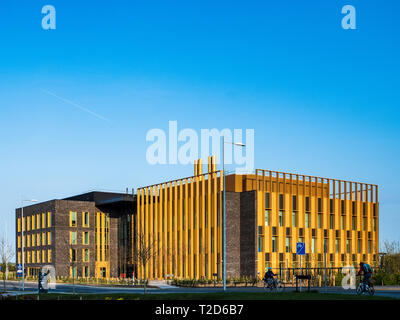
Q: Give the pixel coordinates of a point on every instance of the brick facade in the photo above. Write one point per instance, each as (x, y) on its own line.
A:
(241, 234)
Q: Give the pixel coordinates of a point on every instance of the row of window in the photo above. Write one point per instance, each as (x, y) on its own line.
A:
(319, 257)
(288, 244)
(73, 219)
(294, 220)
(73, 237)
(307, 205)
(34, 222)
(74, 257)
(36, 256)
(73, 273)
(33, 240)
(164, 214)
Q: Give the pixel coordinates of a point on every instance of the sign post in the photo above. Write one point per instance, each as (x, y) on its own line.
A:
(301, 251)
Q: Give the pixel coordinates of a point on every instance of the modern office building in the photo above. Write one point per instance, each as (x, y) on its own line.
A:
(81, 236)
(267, 213)
(100, 234)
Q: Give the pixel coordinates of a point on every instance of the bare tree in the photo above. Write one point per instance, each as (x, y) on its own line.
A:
(390, 257)
(391, 247)
(6, 254)
(145, 251)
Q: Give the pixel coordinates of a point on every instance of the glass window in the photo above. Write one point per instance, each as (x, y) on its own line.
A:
(281, 218)
(337, 245)
(348, 245)
(288, 244)
(43, 239)
(73, 271)
(72, 219)
(294, 203)
(73, 255)
(294, 219)
(260, 243)
(313, 243)
(267, 214)
(359, 245)
(354, 222)
(49, 238)
(85, 255)
(307, 220)
(86, 237)
(267, 201)
(274, 244)
(332, 221)
(343, 222)
(281, 202)
(85, 219)
(319, 220)
(307, 204)
(86, 271)
(73, 237)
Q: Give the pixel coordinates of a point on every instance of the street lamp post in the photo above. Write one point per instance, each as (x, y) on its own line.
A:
(224, 207)
(22, 239)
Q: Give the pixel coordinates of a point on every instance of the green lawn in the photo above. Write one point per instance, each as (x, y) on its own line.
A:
(206, 296)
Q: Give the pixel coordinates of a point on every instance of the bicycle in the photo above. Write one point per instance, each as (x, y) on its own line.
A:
(274, 285)
(365, 288)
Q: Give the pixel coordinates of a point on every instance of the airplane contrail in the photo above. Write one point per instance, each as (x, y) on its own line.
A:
(76, 105)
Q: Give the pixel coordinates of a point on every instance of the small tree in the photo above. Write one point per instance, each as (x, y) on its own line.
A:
(390, 261)
(145, 251)
(6, 254)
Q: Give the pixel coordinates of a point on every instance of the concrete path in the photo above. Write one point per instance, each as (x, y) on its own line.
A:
(31, 287)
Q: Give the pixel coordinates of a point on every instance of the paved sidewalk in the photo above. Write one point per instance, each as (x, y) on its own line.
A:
(162, 284)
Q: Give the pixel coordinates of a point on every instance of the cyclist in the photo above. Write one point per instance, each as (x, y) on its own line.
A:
(366, 269)
(269, 276)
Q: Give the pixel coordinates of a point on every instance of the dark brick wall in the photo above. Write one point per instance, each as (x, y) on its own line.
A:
(241, 234)
(33, 210)
(248, 232)
(233, 234)
(60, 229)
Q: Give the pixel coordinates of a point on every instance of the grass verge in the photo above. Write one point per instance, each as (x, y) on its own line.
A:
(205, 296)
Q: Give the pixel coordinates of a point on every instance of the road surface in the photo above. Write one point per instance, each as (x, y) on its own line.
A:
(31, 287)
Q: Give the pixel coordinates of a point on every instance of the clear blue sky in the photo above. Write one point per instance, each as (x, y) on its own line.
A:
(322, 100)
